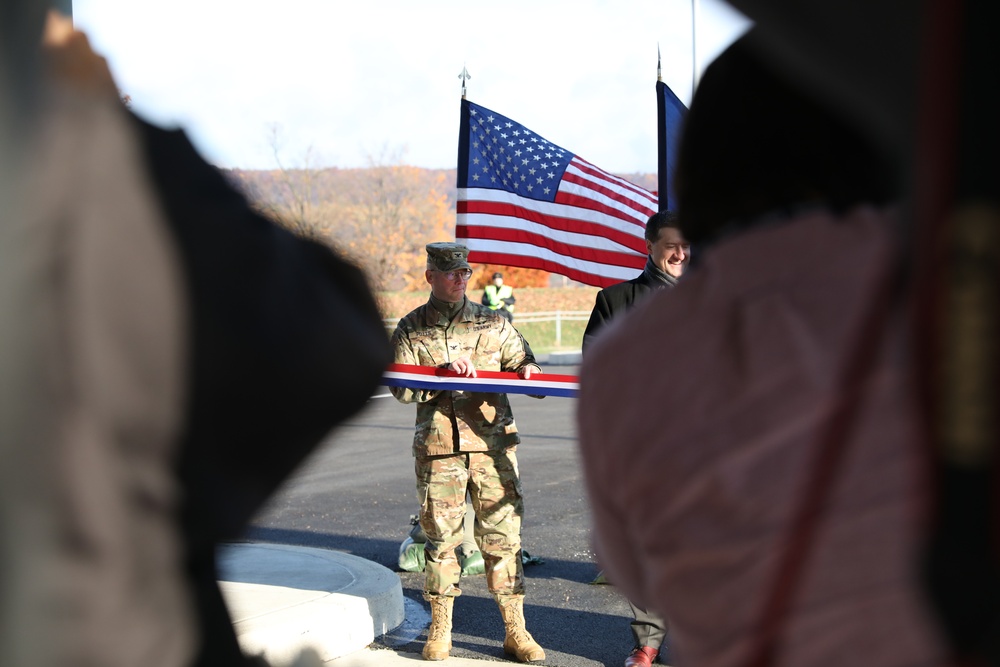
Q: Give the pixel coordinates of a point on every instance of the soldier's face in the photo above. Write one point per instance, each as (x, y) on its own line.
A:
(448, 286)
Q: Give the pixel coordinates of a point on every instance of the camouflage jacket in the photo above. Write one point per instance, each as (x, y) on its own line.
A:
(460, 421)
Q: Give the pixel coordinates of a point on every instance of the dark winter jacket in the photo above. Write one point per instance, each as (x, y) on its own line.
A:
(613, 301)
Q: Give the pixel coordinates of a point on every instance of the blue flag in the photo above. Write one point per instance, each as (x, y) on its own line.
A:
(671, 114)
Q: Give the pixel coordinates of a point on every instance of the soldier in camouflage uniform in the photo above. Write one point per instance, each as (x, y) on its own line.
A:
(465, 443)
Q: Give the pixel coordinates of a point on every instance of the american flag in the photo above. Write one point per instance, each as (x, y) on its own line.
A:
(524, 201)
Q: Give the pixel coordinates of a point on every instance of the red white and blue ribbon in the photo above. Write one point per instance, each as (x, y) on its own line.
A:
(427, 377)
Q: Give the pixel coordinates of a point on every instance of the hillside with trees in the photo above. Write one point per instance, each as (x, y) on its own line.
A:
(381, 216)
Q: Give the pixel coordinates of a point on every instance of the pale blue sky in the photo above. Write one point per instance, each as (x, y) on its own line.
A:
(379, 79)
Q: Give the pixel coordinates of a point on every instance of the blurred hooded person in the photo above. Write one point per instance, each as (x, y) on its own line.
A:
(786, 427)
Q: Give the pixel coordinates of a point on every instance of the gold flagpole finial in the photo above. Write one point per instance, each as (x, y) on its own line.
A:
(464, 76)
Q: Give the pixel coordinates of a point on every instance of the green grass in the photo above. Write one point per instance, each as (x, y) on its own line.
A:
(542, 335)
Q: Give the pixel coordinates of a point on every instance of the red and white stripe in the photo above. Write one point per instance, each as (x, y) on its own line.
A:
(427, 377)
(592, 232)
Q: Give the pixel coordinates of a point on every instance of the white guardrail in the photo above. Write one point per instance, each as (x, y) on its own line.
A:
(557, 316)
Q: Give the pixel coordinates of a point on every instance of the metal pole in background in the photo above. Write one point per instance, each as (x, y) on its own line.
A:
(694, 46)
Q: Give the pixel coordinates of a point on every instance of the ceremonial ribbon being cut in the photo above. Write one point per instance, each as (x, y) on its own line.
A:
(427, 377)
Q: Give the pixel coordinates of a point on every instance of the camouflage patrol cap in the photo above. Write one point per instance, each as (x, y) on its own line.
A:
(448, 256)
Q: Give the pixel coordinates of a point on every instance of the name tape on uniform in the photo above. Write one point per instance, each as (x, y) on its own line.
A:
(427, 377)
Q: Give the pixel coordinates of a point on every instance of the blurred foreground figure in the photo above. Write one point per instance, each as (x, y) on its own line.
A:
(919, 77)
(790, 532)
(167, 357)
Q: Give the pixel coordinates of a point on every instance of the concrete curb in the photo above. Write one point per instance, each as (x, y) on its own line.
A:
(284, 599)
(566, 358)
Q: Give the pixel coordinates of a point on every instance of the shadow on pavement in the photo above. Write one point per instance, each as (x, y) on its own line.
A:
(576, 622)
(383, 552)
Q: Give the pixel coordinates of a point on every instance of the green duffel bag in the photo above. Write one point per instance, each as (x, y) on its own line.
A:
(412, 559)
(411, 556)
(473, 563)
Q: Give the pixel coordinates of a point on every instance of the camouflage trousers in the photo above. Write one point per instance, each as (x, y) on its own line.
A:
(494, 487)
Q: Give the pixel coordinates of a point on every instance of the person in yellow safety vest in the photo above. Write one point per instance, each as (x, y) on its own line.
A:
(499, 297)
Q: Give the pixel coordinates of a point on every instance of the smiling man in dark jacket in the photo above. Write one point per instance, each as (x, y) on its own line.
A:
(668, 255)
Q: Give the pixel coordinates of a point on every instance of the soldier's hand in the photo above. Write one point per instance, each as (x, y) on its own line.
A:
(463, 366)
(526, 372)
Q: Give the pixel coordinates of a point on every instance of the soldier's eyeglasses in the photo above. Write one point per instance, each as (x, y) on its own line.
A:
(464, 274)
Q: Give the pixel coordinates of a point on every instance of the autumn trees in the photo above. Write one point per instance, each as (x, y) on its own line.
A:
(381, 216)
(390, 215)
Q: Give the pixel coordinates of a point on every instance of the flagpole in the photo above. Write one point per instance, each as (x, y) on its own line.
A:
(694, 46)
(662, 185)
(464, 76)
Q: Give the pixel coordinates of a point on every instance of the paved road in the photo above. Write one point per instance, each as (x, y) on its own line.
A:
(356, 494)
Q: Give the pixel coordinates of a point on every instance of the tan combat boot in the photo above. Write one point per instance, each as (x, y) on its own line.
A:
(518, 642)
(439, 634)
